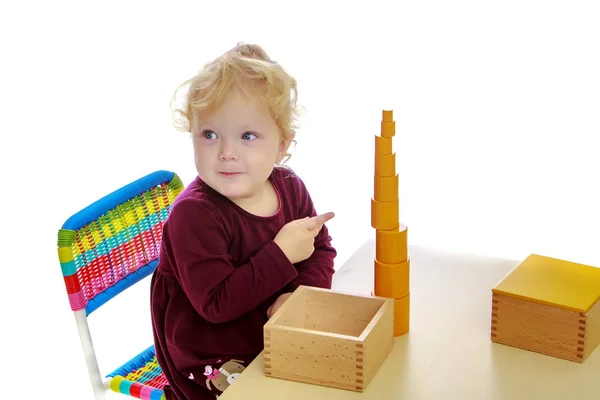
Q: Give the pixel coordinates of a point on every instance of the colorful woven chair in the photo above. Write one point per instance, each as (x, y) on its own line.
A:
(106, 248)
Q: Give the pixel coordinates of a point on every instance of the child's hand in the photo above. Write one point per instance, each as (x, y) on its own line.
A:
(278, 303)
(297, 238)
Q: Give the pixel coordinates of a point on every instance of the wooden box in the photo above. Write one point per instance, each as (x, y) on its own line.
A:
(329, 338)
(548, 306)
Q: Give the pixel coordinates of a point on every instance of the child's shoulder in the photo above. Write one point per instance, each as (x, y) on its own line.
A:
(196, 198)
(195, 213)
(288, 178)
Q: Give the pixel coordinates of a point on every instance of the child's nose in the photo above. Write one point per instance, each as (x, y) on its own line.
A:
(227, 151)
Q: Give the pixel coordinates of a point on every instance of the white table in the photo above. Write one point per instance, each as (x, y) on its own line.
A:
(448, 353)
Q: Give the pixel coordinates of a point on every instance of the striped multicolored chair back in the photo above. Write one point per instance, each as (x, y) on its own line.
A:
(106, 248)
(114, 242)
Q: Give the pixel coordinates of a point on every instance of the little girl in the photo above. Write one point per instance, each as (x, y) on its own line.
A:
(242, 236)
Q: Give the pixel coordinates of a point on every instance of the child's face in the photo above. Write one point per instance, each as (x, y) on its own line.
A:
(236, 147)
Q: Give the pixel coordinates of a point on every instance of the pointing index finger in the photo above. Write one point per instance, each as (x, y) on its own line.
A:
(318, 220)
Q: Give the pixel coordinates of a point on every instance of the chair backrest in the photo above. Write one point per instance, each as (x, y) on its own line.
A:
(115, 242)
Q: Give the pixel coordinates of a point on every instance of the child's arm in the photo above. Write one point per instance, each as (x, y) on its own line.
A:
(318, 269)
(197, 244)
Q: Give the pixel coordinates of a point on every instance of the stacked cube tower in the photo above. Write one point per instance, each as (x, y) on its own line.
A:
(392, 262)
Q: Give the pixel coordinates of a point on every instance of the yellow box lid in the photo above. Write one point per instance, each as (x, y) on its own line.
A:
(554, 282)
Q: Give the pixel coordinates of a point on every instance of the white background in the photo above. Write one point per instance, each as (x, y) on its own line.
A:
(496, 107)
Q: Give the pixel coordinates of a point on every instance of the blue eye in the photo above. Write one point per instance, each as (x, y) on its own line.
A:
(207, 134)
(248, 136)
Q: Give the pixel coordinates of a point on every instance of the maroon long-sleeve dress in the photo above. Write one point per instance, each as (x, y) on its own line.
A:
(219, 271)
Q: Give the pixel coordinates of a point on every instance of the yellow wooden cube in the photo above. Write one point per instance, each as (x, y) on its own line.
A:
(549, 306)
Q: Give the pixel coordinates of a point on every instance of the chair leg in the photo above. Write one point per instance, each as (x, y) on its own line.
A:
(98, 385)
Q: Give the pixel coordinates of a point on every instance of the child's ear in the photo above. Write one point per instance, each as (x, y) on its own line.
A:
(284, 144)
(282, 153)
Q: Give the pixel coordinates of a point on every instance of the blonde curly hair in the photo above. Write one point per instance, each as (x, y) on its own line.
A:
(247, 68)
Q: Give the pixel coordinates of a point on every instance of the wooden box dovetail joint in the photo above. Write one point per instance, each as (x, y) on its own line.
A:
(548, 306)
(329, 338)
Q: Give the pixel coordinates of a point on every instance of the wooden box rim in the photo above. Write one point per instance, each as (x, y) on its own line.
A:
(272, 322)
